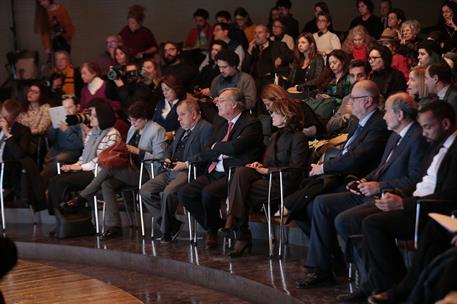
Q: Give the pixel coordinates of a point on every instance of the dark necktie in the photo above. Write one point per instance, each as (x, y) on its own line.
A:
(179, 152)
(225, 139)
(351, 139)
(382, 167)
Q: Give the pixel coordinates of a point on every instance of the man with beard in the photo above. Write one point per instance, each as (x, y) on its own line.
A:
(231, 77)
(174, 65)
(201, 35)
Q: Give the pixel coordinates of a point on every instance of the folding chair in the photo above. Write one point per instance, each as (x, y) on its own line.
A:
(2, 203)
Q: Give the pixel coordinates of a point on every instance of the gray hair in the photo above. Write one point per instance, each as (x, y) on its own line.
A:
(404, 102)
(236, 96)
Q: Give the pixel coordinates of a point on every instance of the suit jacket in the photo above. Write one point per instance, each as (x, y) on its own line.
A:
(17, 146)
(405, 166)
(365, 151)
(446, 180)
(197, 142)
(451, 98)
(244, 145)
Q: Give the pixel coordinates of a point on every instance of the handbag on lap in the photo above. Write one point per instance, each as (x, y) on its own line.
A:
(115, 157)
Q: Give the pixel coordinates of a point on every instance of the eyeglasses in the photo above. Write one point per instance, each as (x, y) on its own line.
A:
(113, 43)
(372, 58)
(68, 96)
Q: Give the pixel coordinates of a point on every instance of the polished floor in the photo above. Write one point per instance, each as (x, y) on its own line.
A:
(279, 274)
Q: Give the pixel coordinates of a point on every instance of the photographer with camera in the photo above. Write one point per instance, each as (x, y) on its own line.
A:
(132, 85)
(65, 142)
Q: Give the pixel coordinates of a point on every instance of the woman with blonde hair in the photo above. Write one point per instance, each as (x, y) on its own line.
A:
(417, 88)
(358, 42)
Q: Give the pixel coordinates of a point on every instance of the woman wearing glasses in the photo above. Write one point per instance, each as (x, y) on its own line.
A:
(388, 79)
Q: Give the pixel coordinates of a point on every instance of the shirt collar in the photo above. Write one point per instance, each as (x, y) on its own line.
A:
(364, 121)
(442, 92)
(405, 129)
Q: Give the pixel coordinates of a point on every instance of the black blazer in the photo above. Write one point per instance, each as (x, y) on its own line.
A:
(17, 146)
(197, 142)
(365, 152)
(287, 149)
(446, 180)
(405, 167)
(244, 145)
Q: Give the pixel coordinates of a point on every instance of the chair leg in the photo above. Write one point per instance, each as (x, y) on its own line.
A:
(281, 213)
(152, 227)
(141, 215)
(270, 238)
(1, 197)
(103, 216)
(97, 228)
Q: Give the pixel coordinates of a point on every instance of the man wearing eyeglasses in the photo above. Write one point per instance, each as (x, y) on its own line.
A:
(105, 60)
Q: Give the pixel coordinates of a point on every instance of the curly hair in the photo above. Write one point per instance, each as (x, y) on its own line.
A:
(414, 25)
(136, 12)
(357, 30)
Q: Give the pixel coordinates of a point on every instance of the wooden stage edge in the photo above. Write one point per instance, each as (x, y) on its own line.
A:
(31, 282)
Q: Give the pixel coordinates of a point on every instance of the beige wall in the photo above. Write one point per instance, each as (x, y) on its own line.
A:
(168, 19)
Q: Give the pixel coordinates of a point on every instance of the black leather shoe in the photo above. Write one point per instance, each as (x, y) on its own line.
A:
(316, 279)
(112, 232)
(355, 297)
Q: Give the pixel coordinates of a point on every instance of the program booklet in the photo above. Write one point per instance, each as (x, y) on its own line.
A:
(58, 115)
(446, 221)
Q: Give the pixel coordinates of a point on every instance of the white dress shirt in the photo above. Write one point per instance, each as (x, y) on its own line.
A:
(220, 165)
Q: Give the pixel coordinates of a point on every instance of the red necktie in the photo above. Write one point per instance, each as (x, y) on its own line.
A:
(229, 129)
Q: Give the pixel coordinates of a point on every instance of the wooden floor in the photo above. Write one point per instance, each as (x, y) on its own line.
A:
(31, 282)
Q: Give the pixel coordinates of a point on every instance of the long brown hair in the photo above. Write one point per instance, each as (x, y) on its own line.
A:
(299, 57)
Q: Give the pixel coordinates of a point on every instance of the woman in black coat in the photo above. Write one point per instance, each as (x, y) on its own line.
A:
(249, 186)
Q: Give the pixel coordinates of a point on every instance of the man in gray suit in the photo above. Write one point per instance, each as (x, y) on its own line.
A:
(401, 167)
(159, 193)
(438, 79)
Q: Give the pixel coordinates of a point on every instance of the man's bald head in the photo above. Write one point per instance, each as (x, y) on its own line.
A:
(364, 98)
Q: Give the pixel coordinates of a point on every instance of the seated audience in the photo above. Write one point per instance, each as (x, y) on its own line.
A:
(234, 32)
(326, 41)
(165, 111)
(311, 26)
(307, 64)
(394, 20)
(358, 43)
(366, 18)
(221, 32)
(106, 60)
(160, 194)
(278, 34)
(359, 155)
(438, 79)
(447, 24)
(145, 141)
(14, 153)
(266, 59)
(249, 185)
(341, 120)
(428, 52)
(35, 111)
(77, 176)
(231, 77)
(289, 21)
(399, 60)
(400, 167)
(73, 83)
(94, 87)
(389, 80)
(385, 6)
(236, 141)
(396, 220)
(417, 88)
(209, 69)
(243, 21)
(409, 39)
(174, 65)
(136, 37)
(65, 142)
(201, 35)
(122, 56)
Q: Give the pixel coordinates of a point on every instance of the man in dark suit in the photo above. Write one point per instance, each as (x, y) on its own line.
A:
(237, 140)
(360, 154)
(160, 193)
(400, 167)
(397, 219)
(438, 79)
(14, 148)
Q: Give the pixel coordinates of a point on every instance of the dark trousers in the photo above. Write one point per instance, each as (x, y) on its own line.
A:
(433, 241)
(202, 198)
(384, 262)
(60, 186)
(323, 246)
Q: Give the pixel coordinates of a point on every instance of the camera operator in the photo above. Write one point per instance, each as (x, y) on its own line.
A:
(133, 85)
(65, 142)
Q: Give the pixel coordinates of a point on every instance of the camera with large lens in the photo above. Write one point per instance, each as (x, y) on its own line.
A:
(78, 118)
(116, 72)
